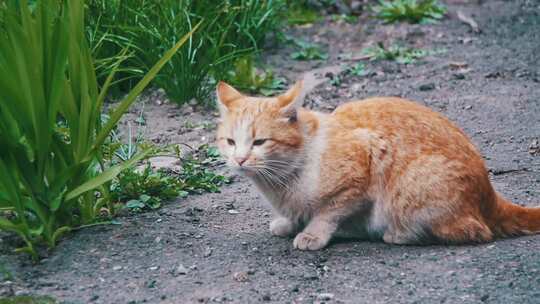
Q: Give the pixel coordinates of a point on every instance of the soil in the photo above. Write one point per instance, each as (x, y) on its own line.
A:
(195, 250)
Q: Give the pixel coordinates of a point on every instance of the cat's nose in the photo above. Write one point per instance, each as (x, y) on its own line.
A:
(241, 160)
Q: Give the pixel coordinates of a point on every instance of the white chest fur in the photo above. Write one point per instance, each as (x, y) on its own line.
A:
(296, 201)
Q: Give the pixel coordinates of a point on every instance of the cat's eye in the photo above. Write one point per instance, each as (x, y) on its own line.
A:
(259, 142)
(230, 141)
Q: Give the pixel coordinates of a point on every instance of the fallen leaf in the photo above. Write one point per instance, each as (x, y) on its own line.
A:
(458, 65)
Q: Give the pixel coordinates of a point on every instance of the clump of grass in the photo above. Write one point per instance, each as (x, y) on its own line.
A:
(351, 19)
(358, 69)
(309, 51)
(197, 178)
(396, 53)
(248, 78)
(5, 274)
(412, 11)
(299, 12)
(28, 300)
(229, 30)
(146, 188)
(51, 132)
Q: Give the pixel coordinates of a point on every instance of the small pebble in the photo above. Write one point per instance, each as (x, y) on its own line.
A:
(180, 270)
(325, 296)
(427, 87)
(241, 276)
(207, 252)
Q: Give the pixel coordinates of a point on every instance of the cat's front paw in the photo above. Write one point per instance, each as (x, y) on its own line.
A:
(281, 227)
(306, 241)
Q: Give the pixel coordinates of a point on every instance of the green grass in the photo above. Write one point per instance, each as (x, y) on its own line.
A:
(400, 54)
(5, 274)
(300, 14)
(412, 11)
(230, 29)
(51, 132)
(351, 19)
(248, 78)
(308, 51)
(28, 300)
(358, 69)
(145, 188)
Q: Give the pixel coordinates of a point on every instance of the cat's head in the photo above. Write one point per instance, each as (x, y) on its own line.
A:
(258, 134)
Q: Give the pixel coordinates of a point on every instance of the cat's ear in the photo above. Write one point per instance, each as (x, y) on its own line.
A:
(226, 94)
(290, 101)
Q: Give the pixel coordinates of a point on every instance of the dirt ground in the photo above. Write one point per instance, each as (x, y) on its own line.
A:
(196, 250)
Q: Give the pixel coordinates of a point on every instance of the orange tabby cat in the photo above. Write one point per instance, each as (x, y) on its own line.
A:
(378, 168)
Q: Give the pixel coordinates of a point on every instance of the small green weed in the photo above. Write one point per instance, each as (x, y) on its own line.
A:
(188, 124)
(300, 13)
(309, 51)
(28, 300)
(396, 53)
(336, 80)
(197, 178)
(145, 190)
(247, 77)
(5, 274)
(208, 126)
(358, 69)
(412, 11)
(351, 19)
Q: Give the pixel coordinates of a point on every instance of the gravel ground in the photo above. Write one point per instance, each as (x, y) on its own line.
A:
(195, 251)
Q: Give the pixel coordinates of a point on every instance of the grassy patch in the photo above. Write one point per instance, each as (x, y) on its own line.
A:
(229, 30)
(51, 132)
(146, 188)
(309, 51)
(5, 274)
(28, 300)
(396, 53)
(247, 77)
(299, 12)
(412, 11)
(351, 19)
(358, 69)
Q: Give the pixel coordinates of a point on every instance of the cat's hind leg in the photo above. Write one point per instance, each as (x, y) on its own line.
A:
(400, 238)
(438, 199)
(325, 225)
(461, 230)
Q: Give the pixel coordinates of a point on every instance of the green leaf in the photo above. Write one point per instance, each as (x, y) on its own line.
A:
(124, 104)
(106, 176)
(58, 232)
(144, 198)
(135, 204)
(57, 201)
(213, 152)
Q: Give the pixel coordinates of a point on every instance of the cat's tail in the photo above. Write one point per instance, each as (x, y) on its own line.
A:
(509, 219)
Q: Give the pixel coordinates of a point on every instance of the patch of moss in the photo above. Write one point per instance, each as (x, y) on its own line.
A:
(28, 300)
